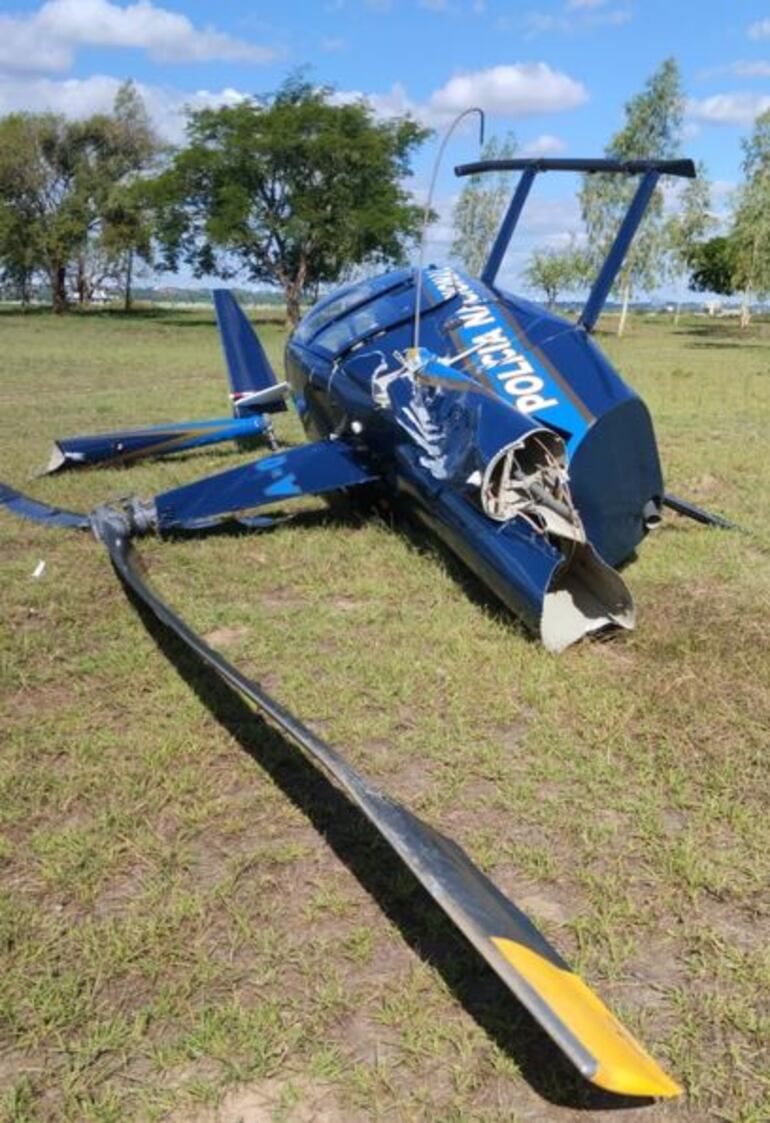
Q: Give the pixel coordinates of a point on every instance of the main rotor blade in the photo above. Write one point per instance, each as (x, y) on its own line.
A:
(575, 1018)
(36, 511)
(44, 513)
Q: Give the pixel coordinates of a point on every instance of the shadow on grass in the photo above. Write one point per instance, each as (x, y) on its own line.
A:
(721, 335)
(196, 316)
(392, 886)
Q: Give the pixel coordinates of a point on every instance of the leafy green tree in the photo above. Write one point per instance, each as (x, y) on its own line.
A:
(652, 129)
(19, 252)
(39, 156)
(553, 271)
(750, 234)
(688, 226)
(479, 210)
(713, 266)
(60, 182)
(126, 218)
(294, 189)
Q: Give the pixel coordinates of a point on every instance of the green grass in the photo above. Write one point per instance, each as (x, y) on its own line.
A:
(190, 917)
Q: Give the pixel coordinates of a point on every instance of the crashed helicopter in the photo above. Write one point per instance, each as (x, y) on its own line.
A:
(504, 429)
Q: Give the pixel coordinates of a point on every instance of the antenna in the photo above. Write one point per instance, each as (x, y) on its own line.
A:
(426, 215)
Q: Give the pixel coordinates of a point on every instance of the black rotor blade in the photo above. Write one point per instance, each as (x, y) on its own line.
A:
(575, 1018)
(692, 511)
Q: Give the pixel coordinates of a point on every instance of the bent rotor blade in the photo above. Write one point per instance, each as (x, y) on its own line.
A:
(126, 446)
(691, 511)
(575, 1018)
(44, 513)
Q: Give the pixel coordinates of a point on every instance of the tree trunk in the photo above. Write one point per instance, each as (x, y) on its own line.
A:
(624, 309)
(82, 281)
(127, 288)
(58, 276)
(745, 309)
(293, 288)
(293, 310)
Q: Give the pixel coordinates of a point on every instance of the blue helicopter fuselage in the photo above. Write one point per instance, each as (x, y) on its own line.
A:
(492, 368)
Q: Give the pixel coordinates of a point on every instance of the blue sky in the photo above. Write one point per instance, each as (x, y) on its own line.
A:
(556, 72)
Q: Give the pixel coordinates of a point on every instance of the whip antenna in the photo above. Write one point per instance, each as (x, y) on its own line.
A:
(426, 215)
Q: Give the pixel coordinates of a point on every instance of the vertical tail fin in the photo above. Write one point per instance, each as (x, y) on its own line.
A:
(253, 385)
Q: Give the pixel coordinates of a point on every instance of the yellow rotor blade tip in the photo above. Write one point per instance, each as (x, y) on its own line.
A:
(622, 1065)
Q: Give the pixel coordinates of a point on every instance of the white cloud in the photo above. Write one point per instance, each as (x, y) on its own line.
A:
(47, 40)
(760, 29)
(745, 68)
(80, 97)
(728, 109)
(576, 15)
(544, 145)
(741, 68)
(333, 46)
(518, 90)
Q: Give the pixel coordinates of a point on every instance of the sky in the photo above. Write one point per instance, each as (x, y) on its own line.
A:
(555, 72)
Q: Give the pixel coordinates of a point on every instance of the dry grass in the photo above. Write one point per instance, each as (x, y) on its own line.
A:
(190, 917)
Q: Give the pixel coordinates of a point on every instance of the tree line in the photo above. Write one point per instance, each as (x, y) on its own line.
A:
(297, 190)
(291, 189)
(675, 245)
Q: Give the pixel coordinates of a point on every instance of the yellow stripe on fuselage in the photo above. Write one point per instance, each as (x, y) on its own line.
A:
(623, 1066)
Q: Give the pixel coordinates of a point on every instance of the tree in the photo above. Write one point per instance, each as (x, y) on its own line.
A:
(59, 182)
(689, 225)
(39, 156)
(750, 235)
(479, 210)
(555, 270)
(293, 188)
(126, 215)
(713, 266)
(652, 130)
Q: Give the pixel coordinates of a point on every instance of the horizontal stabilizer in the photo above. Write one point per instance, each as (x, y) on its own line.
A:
(128, 445)
(308, 470)
(248, 367)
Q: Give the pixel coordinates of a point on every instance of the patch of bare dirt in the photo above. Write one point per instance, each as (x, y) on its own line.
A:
(30, 703)
(348, 604)
(226, 637)
(412, 782)
(293, 1100)
(366, 1042)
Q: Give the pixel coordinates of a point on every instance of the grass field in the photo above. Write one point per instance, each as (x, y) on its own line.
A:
(195, 926)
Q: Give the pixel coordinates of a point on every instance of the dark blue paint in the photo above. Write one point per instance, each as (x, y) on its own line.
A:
(43, 513)
(309, 469)
(616, 256)
(505, 233)
(124, 445)
(248, 367)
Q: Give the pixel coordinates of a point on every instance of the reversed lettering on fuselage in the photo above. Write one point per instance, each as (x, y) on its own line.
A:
(495, 350)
